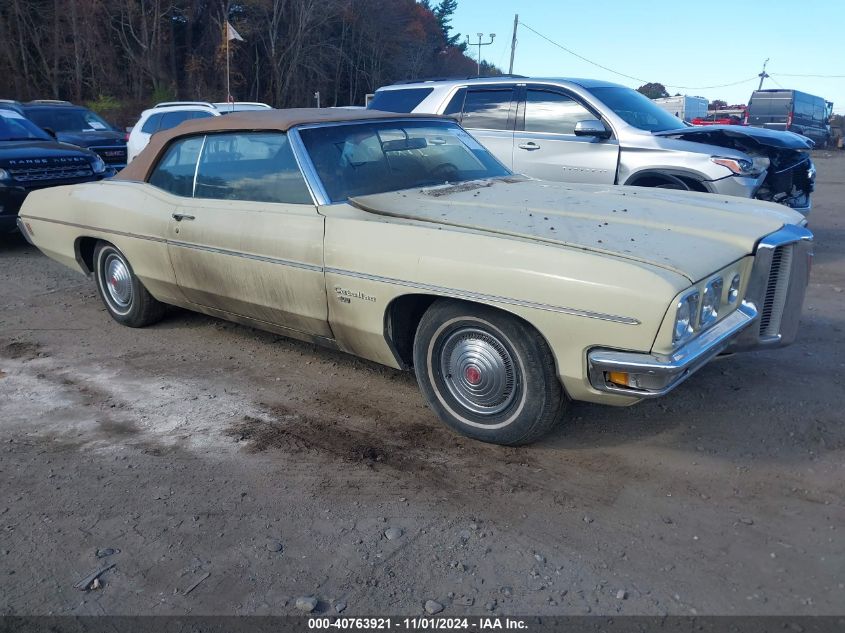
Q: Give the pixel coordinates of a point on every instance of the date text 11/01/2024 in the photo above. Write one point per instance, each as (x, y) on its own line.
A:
(418, 624)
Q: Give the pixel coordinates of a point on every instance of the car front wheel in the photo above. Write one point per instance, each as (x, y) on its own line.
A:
(487, 374)
(123, 294)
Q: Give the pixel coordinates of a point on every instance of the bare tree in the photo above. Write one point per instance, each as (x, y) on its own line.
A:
(134, 51)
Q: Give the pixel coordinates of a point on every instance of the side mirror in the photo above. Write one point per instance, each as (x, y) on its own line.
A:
(591, 127)
(51, 132)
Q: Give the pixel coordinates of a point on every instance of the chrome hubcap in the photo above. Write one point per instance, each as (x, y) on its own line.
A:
(478, 371)
(117, 281)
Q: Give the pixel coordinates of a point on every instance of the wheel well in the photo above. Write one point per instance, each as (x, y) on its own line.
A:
(401, 322)
(655, 179)
(85, 252)
(403, 317)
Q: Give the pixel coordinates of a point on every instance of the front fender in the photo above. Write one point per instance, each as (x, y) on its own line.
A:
(574, 298)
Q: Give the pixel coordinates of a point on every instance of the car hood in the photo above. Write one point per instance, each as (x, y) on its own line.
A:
(712, 133)
(11, 151)
(691, 234)
(93, 137)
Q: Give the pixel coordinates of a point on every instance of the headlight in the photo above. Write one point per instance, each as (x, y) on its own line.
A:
(98, 165)
(685, 317)
(4, 175)
(733, 290)
(711, 302)
(743, 166)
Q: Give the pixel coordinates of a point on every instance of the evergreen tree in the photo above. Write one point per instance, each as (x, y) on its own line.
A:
(443, 12)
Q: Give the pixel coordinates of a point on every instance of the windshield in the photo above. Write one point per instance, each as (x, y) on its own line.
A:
(14, 127)
(66, 119)
(358, 159)
(636, 109)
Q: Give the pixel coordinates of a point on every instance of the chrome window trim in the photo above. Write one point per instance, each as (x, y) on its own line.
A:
(557, 136)
(309, 172)
(197, 167)
(307, 169)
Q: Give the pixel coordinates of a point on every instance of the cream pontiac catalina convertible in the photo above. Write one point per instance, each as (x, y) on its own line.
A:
(400, 239)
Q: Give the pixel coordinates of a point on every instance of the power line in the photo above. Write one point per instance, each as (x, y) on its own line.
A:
(589, 61)
(734, 83)
(776, 83)
(616, 72)
(814, 76)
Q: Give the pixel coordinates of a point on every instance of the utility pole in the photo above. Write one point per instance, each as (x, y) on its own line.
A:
(763, 75)
(513, 42)
(479, 44)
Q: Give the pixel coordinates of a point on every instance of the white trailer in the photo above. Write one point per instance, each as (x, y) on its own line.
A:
(685, 107)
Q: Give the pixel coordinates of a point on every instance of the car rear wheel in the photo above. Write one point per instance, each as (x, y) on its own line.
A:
(487, 374)
(123, 294)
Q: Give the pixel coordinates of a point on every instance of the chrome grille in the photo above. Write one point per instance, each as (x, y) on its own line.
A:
(45, 173)
(776, 291)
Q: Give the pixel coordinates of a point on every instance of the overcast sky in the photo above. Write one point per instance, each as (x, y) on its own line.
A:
(693, 44)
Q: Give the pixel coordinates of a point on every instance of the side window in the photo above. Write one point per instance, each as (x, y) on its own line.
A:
(200, 114)
(172, 119)
(401, 100)
(487, 109)
(819, 112)
(553, 112)
(254, 166)
(456, 104)
(175, 172)
(151, 124)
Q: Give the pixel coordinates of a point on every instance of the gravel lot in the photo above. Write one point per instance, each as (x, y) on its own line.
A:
(267, 470)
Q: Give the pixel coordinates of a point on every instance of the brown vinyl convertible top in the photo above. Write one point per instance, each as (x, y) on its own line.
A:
(281, 120)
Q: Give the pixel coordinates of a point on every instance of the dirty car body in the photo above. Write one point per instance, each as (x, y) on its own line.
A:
(585, 130)
(402, 240)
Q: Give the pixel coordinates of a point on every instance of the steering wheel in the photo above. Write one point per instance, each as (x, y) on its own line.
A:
(446, 171)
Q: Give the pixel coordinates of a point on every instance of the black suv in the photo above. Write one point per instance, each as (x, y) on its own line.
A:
(30, 159)
(79, 126)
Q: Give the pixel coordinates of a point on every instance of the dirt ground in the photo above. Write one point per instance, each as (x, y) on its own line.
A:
(266, 470)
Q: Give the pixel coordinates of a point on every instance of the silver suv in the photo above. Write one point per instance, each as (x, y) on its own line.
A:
(583, 130)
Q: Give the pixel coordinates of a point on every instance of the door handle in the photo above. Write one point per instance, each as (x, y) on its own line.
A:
(182, 216)
(530, 146)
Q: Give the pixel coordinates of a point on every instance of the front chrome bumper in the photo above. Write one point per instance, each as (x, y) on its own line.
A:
(767, 317)
(657, 374)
